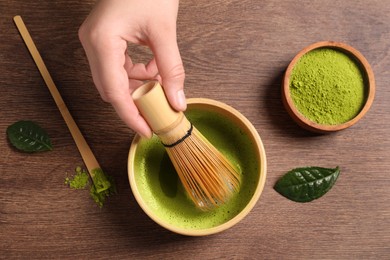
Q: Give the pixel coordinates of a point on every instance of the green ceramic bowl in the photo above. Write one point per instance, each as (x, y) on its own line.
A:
(159, 192)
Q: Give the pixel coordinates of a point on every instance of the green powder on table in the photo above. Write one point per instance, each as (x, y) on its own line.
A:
(103, 185)
(327, 86)
(79, 181)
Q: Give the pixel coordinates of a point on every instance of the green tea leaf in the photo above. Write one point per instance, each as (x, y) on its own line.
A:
(307, 183)
(27, 136)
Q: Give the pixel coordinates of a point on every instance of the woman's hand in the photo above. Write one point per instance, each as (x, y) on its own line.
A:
(105, 35)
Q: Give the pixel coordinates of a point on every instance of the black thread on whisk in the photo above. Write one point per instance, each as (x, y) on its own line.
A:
(189, 132)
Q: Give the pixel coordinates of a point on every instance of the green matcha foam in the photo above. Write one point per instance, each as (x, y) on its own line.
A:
(162, 191)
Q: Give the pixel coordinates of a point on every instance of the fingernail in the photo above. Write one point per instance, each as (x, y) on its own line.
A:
(181, 100)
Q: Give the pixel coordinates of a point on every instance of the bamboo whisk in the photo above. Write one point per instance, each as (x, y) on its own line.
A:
(207, 176)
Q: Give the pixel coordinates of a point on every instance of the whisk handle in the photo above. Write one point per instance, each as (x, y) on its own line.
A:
(153, 105)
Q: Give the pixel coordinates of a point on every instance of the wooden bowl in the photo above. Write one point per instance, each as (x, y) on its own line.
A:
(155, 184)
(368, 76)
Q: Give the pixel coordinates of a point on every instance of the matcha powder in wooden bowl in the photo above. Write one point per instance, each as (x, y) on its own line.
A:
(327, 86)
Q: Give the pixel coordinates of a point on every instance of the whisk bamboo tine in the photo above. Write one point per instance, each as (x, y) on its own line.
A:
(207, 176)
(84, 149)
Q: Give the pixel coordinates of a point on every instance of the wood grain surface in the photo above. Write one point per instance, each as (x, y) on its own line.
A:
(234, 52)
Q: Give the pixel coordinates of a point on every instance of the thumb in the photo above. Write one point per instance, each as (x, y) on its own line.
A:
(171, 70)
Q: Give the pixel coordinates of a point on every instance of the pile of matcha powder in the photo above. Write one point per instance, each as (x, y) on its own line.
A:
(100, 187)
(327, 86)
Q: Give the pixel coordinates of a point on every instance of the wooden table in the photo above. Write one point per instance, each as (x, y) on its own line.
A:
(235, 52)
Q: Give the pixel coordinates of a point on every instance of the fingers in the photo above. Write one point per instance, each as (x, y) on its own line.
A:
(111, 79)
(170, 67)
(141, 71)
(128, 112)
(118, 93)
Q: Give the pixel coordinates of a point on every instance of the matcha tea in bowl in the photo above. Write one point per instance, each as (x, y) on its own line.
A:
(327, 87)
(159, 192)
(207, 175)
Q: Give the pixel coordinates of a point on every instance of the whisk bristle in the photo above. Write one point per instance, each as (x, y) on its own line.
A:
(208, 177)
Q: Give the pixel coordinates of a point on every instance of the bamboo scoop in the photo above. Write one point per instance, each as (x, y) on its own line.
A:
(89, 159)
(208, 177)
